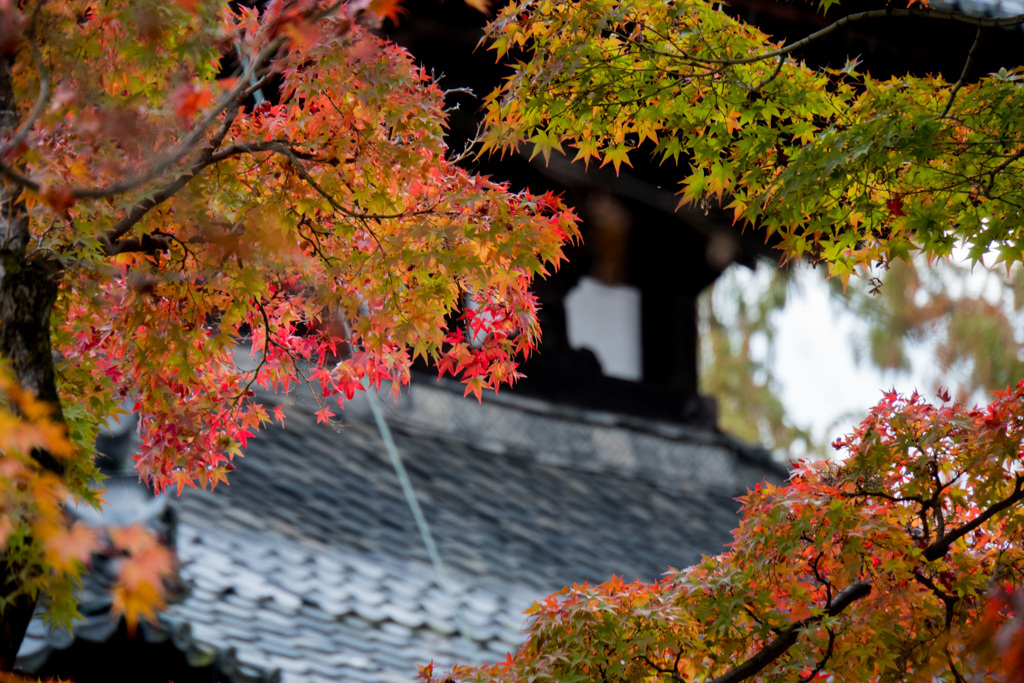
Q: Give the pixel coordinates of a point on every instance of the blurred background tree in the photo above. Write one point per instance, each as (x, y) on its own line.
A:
(934, 326)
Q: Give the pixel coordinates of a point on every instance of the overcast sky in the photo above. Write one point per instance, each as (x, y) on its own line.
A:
(822, 384)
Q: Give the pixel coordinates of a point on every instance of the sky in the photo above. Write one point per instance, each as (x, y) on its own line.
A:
(822, 383)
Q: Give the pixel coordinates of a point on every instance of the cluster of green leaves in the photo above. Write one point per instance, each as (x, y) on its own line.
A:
(842, 167)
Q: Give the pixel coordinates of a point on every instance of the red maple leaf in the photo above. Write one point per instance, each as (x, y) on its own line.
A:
(895, 206)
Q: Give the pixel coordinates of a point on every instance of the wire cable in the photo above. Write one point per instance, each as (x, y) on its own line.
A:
(417, 513)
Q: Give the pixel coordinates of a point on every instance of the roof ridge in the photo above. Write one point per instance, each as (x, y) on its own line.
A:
(678, 456)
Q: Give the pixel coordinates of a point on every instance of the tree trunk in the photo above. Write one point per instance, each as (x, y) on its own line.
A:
(28, 290)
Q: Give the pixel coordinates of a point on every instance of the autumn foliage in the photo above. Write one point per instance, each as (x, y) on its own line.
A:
(898, 562)
(337, 203)
(844, 169)
(180, 177)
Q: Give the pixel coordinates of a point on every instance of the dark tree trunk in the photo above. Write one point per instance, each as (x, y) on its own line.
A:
(27, 293)
(28, 289)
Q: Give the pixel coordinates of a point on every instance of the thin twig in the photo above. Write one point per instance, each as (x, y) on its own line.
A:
(1002, 167)
(941, 545)
(775, 649)
(141, 208)
(824, 658)
(771, 77)
(187, 145)
(889, 12)
(963, 74)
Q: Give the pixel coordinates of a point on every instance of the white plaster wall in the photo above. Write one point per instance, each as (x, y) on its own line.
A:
(606, 320)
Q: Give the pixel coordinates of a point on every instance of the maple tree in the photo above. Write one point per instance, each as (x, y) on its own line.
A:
(175, 176)
(876, 568)
(903, 559)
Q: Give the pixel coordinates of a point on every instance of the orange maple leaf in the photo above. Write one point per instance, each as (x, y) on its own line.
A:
(133, 539)
(59, 197)
(65, 548)
(189, 99)
(135, 604)
(148, 568)
(387, 9)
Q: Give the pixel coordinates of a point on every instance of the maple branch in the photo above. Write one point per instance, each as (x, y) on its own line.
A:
(957, 676)
(267, 341)
(768, 79)
(775, 649)
(947, 600)
(141, 208)
(963, 74)
(674, 671)
(824, 658)
(941, 545)
(187, 145)
(1002, 167)
(211, 155)
(889, 12)
(146, 244)
(18, 178)
(821, 579)
(296, 158)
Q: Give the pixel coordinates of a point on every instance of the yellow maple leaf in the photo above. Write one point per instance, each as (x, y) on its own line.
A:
(134, 604)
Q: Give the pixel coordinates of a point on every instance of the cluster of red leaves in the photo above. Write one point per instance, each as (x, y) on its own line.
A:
(326, 227)
(903, 561)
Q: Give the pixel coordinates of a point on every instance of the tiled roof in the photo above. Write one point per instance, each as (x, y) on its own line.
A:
(310, 563)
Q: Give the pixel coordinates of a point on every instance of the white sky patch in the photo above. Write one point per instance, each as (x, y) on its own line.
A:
(822, 385)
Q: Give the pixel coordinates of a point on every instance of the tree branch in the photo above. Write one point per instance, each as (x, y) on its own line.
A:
(829, 649)
(1002, 167)
(775, 649)
(147, 244)
(963, 74)
(941, 545)
(949, 601)
(889, 12)
(141, 208)
(186, 146)
(37, 109)
(229, 99)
